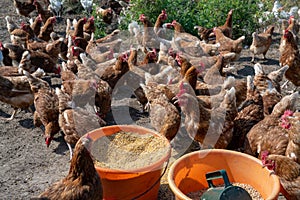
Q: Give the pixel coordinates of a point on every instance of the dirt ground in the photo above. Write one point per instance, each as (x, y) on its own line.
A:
(28, 166)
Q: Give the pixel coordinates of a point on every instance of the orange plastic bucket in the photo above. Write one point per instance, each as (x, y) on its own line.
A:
(141, 183)
(187, 174)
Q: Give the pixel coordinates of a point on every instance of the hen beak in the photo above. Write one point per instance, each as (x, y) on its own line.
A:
(175, 100)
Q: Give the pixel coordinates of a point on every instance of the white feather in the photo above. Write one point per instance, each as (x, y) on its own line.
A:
(258, 69)
(56, 6)
(87, 5)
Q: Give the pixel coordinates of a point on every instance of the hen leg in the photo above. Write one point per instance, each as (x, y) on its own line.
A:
(71, 150)
(294, 90)
(30, 109)
(13, 114)
(36, 120)
(284, 84)
(264, 54)
(253, 58)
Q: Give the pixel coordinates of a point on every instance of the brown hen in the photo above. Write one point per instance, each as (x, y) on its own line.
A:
(74, 121)
(290, 56)
(212, 128)
(288, 172)
(45, 14)
(268, 134)
(293, 126)
(227, 44)
(46, 105)
(82, 181)
(261, 42)
(24, 8)
(164, 116)
(47, 29)
(250, 112)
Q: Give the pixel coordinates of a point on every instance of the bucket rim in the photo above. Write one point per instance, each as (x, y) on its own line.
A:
(181, 195)
(96, 133)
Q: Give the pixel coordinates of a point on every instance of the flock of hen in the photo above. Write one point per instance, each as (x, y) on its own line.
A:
(179, 77)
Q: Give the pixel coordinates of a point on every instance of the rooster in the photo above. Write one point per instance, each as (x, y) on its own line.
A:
(82, 182)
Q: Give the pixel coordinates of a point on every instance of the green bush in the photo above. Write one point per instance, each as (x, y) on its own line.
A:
(205, 13)
(100, 24)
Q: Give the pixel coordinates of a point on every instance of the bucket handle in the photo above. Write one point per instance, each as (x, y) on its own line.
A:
(157, 181)
(220, 174)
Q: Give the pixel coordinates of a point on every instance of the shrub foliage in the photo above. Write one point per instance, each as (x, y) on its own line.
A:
(206, 13)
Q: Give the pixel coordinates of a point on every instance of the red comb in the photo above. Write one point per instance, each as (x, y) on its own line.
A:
(48, 141)
(58, 70)
(288, 113)
(178, 56)
(264, 155)
(142, 17)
